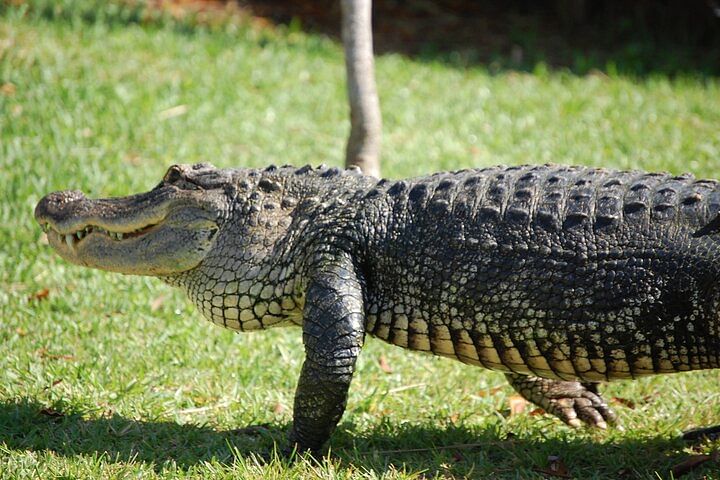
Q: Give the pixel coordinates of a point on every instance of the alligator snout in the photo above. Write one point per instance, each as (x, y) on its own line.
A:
(54, 207)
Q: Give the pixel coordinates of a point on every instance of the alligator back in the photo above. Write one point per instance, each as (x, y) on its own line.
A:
(562, 272)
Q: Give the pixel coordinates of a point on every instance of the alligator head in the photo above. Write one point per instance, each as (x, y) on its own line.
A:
(165, 231)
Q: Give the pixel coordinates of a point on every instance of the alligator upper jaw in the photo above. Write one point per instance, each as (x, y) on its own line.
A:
(71, 213)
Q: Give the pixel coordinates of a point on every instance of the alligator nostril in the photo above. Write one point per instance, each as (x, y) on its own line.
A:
(54, 203)
(67, 196)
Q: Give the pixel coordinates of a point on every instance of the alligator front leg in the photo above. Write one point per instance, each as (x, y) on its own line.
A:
(333, 334)
(571, 402)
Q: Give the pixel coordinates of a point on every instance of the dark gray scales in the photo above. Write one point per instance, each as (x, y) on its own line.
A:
(562, 272)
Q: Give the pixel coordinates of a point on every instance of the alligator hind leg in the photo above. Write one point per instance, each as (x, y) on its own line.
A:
(571, 402)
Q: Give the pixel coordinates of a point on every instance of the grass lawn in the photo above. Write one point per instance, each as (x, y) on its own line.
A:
(107, 376)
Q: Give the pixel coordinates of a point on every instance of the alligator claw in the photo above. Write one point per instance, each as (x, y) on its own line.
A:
(574, 403)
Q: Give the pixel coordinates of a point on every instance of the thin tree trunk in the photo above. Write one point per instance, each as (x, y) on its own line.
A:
(363, 147)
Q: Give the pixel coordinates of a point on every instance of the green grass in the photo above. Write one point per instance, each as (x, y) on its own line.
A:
(146, 388)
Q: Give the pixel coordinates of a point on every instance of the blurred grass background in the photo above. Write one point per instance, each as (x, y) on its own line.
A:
(106, 376)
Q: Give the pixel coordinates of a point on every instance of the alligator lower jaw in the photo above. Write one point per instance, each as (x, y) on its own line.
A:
(73, 238)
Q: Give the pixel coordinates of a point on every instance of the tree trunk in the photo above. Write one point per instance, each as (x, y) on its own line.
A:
(363, 147)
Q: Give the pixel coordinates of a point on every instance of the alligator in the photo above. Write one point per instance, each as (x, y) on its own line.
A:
(561, 277)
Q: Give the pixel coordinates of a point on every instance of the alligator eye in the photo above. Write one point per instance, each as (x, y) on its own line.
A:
(173, 175)
(177, 176)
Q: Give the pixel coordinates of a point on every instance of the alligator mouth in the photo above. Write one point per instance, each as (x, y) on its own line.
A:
(72, 239)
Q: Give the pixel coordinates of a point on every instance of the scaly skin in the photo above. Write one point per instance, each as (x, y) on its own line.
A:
(561, 277)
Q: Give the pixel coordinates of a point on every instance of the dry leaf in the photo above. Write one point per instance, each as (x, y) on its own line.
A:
(172, 112)
(624, 401)
(61, 357)
(8, 89)
(21, 331)
(55, 382)
(536, 412)
(490, 391)
(384, 366)
(157, 303)
(556, 468)
(650, 398)
(107, 410)
(517, 404)
(133, 159)
(43, 353)
(39, 295)
(406, 387)
(51, 412)
(692, 462)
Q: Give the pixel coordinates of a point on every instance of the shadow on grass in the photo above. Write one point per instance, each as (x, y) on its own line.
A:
(647, 38)
(25, 425)
(28, 425)
(606, 37)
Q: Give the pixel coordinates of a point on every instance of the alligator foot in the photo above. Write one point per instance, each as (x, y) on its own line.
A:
(571, 402)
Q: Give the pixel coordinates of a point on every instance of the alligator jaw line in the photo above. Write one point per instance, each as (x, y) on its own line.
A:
(71, 239)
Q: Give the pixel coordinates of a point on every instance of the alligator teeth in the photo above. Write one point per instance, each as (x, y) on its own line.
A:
(80, 234)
